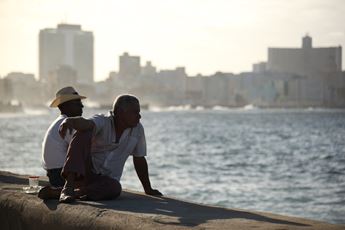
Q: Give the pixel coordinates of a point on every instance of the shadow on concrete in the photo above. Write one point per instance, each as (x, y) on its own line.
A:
(51, 204)
(188, 214)
(10, 178)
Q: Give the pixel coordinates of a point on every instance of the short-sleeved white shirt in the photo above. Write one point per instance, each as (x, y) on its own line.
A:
(109, 157)
(54, 148)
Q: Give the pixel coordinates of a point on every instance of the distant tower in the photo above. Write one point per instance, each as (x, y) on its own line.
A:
(67, 45)
(129, 66)
(307, 42)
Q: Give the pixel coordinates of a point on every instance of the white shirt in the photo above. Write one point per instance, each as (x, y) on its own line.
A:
(54, 148)
(109, 157)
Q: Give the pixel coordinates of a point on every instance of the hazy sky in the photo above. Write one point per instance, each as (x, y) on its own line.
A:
(205, 36)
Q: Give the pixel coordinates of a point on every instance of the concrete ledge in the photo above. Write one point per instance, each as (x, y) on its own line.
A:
(132, 210)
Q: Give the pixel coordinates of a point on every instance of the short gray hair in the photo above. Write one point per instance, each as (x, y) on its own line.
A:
(123, 101)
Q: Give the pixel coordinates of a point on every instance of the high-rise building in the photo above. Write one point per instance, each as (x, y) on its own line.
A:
(305, 61)
(67, 45)
(129, 66)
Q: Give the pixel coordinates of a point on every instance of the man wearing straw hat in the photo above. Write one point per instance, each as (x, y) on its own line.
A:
(54, 148)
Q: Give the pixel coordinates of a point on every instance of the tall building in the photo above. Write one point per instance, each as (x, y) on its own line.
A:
(305, 61)
(67, 45)
(129, 66)
(148, 69)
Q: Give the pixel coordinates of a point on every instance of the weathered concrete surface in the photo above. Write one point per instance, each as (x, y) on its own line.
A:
(132, 210)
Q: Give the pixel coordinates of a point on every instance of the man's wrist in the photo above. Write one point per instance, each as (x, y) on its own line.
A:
(147, 188)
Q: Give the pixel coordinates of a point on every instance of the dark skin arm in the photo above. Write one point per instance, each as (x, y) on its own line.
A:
(141, 168)
(77, 123)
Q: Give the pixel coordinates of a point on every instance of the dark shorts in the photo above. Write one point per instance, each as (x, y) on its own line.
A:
(55, 178)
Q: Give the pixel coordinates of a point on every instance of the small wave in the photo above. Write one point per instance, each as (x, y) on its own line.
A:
(180, 108)
(155, 109)
(170, 108)
(199, 108)
(245, 108)
(249, 107)
(220, 108)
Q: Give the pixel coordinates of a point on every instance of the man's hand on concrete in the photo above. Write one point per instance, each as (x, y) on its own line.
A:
(153, 192)
(140, 166)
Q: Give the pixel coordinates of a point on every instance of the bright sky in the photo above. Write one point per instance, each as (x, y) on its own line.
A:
(205, 36)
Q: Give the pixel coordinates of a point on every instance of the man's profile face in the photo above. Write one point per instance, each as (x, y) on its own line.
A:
(131, 115)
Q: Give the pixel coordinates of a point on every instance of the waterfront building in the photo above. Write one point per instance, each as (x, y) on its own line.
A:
(148, 70)
(173, 83)
(129, 66)
(25, 88)
(67, 45)
(195, 90)
(317, 69)
(260, 67)
(217, 89)
(6, 91)
(305, 61)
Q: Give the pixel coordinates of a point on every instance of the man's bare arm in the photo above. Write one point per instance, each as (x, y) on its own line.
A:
(77, 123)
(141, 168)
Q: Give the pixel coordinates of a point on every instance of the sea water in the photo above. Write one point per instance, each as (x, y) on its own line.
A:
(286, 161)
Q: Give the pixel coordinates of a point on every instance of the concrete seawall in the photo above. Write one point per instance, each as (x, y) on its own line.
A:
(133, 210)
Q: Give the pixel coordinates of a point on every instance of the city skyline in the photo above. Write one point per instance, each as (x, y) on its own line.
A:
(204, 37)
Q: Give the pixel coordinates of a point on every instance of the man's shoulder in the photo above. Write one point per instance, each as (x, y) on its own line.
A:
(56, 123)
(101, 121)
(52, 132)
(101, 116)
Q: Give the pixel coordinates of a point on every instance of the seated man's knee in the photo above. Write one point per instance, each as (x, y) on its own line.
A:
(115, 189)
(104, 189)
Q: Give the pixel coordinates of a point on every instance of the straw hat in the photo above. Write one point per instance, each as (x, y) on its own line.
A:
(65, 94)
